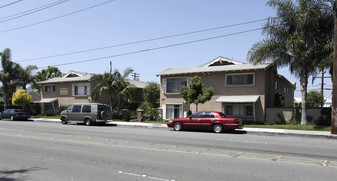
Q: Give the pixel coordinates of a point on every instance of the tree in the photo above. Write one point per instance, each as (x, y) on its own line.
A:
(194, 93)
(152, 94)
(26, 76)
(151, 103)
(46, 74)
(115, 85)
(21, 98)
(279, 100)
(8, 76)
(298, 37)
(315, 99)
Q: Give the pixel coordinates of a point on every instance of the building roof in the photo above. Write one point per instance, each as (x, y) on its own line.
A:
(219, 64)
(74, 76)
(71, 76)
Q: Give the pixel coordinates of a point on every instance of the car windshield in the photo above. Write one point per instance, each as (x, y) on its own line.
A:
(18, 110)
(222, 115)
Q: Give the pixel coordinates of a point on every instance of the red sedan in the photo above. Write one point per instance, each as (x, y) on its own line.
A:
(216, 121)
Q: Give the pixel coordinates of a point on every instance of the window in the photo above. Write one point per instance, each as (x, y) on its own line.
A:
(173, 85)
(222, 115)
(77, 108)
(49, 88)
(81, 89)
(208, 115)
(241, 79)
(197, 115)
(86, 108)
(239, 110)
(276, 85)
(174, 111)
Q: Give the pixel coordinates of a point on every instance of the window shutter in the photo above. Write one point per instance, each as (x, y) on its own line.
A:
(189, 80)
(73, 89)
(164, 85)
(88, 88)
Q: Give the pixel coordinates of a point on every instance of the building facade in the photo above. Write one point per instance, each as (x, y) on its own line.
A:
(74, 87)
(241, 90)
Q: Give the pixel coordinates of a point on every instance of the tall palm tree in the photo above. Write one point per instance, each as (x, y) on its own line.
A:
(8, 75)
(26, 76)
(115, 85)
(297, 37)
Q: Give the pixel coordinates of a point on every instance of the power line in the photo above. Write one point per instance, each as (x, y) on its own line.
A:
(9, 4)
(143, 41)
(151, 49)
(58, 17)
(25, 13)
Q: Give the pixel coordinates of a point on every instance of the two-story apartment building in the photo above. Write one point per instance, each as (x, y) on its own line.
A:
(74, 87)
(241, 90)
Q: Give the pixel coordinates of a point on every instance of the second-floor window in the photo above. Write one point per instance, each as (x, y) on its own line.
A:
(173, 85)
(240, 79)
(49, 88)
(81, 89)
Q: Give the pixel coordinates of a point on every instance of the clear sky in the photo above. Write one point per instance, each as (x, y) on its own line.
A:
(58, 30)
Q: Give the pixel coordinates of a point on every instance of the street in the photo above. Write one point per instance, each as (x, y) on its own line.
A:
(51, 151)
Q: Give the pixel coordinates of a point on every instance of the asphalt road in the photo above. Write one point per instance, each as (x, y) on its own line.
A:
(51, 151)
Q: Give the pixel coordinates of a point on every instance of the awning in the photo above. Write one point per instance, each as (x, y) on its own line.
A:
(45, 101)
(237, 99)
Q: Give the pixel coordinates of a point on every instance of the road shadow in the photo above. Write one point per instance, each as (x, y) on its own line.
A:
(29, 120)
(17, 174)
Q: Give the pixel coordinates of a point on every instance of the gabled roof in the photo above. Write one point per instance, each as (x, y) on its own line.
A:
(221, 61)
(71, 76)
(74, 76)
(219, 64)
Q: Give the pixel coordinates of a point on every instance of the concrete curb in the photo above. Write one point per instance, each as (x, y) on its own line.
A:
(258, 131)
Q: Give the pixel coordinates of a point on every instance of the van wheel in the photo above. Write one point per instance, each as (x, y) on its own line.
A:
(64, 120)
(88, 122)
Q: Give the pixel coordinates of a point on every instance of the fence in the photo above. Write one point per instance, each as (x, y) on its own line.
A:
(318, 116)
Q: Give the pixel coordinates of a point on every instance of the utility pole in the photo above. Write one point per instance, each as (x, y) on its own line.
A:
(334, 77)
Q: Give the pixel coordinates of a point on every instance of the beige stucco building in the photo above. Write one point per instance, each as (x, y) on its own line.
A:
(74, 87)
(241, 90)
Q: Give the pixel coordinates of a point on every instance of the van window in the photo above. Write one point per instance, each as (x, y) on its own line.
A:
(77, 108)
(69, 108)
(101, 107)
(86, 108)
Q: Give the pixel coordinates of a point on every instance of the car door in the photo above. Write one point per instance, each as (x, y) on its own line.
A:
(193, 122)
(5, 114)
(206, 120)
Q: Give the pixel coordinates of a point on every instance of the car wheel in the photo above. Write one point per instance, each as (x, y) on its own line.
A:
(217, 128)
(87, 122)
(177, 126)
(12, 118)
(64, 120)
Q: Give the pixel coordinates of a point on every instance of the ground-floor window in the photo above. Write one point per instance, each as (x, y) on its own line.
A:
(239, 110)
(174, 111)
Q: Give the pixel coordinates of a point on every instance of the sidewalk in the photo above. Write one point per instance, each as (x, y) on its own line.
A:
(261, 131)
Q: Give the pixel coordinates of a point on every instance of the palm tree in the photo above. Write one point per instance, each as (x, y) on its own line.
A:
(115, 85)
(297, 38)
(26, 76)
(8, 76)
